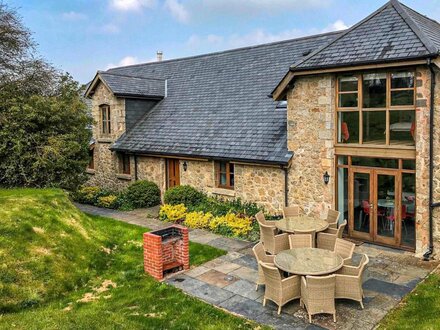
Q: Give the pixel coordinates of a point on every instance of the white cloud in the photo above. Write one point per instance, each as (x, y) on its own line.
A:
(132, 5)
(177, 10)
(73, 16)
(336, 26)
(255, 37)
(129, 60)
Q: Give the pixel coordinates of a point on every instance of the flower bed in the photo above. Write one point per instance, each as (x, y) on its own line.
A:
(232, 218)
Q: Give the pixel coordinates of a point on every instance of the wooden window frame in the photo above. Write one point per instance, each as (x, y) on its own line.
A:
(388, 108)
(124, 164)
(228, 174)
(106, 127)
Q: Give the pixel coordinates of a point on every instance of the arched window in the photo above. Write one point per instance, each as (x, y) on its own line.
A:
(104, 112)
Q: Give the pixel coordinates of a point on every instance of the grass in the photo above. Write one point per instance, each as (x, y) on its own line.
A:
(419, 310)
(62, 269)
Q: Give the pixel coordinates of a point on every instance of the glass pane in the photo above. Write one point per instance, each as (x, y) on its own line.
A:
(223, 179)
(348, 100)
(343, 193)
(402, 127)
(375, 162)
(408, 209)
(386, 217)
(402, 80)
(361, 202)
(374, 125)
(375, 90)
(348, 127)
(231, 168)
(232, 180)
(409, 164)
(348, 84)
(104, 113)
(402, 97)
(342, 160)
(223, 167)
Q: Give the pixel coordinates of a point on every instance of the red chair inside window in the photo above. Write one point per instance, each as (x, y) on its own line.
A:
(344, 131)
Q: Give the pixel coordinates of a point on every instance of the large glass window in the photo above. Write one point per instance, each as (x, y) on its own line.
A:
(105, 119)
(377, 108)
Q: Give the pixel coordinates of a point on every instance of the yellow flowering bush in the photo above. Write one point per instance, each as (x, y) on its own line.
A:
(172, 213)
(88, 194)
(231, 224)
(110, 201)
(198, 220)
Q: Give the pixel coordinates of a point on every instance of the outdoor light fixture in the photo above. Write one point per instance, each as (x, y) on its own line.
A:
(185, 166)
(326, 177)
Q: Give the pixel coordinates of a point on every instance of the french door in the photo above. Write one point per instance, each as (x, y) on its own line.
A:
(373, 207)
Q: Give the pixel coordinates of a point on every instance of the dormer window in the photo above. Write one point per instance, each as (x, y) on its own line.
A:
(104, 111)
(282, 104)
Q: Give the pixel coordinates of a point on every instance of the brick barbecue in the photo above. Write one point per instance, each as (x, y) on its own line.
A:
(166, 251)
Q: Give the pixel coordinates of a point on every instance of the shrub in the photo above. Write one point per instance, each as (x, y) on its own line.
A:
(143, 194)
(220, 207)
(198, 220)
(87, 195)
(110, 202)
(172, 213)
(231, 225)
(186, 195)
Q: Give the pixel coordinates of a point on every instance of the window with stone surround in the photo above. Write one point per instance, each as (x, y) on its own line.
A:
(376, 108)
(124, 163)
(224, 175)
(104, 113)
(91, 165)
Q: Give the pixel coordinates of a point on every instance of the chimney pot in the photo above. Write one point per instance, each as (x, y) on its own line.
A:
(159, 55)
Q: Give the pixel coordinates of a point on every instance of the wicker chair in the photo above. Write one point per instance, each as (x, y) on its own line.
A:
(300, 241)
(273, 243)
(312, 233)
(290, 211)
(349, 281)
(345, 249)
(327, 239)
(262, 221)
(261, 256)
(318, 295)
(280, 290)
(332, 218)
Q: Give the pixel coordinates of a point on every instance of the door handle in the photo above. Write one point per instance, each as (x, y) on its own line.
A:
(371, 205)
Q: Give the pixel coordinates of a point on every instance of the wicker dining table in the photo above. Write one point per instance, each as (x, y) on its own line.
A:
(301, 224)
(308, 261)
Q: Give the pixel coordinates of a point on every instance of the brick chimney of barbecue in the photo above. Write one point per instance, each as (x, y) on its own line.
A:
(159, 55)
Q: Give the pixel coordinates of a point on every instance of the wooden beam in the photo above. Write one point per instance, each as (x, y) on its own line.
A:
(377, 152)
(279, 90)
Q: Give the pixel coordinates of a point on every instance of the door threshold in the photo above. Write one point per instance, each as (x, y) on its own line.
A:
(358, 242)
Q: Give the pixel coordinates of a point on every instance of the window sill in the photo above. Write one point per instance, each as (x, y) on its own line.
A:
(376, 146)
(105, 140)
(90, 171)
(124, 177)
(223, 192)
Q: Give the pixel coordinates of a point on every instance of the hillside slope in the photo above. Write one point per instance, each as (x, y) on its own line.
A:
(47, 247)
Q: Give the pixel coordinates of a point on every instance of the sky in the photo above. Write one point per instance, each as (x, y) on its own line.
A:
(83, 36)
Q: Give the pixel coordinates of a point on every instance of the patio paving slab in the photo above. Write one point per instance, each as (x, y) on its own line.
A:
(387, 288)
(246, 273)
(197, 271)
(217, 278)
(245, 289)
(247, 261)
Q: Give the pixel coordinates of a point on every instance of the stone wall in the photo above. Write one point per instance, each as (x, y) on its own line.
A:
(106, 169)
(423, 92)
(436, 213)
(310, 135)
(152, 169)
(199, 174)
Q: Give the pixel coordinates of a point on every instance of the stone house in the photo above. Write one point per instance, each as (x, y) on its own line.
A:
(346, 120)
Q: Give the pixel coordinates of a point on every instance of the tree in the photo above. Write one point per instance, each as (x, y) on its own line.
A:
(44, 134)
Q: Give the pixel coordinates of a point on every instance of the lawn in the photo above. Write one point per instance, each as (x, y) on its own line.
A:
(62, 269)
(419, 310)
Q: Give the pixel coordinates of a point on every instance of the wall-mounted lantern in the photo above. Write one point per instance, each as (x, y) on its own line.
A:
(326, 177)
(185, 166)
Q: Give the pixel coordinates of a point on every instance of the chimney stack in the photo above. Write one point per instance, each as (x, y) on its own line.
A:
(159, 55)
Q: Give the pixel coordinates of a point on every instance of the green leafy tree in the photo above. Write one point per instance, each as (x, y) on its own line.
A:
(44, 124)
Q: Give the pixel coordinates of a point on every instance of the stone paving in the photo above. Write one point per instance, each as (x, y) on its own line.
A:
(229, 281)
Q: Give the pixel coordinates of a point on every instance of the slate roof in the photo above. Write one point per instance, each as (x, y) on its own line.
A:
(217, 105)
(393, 32)
(133, 86)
